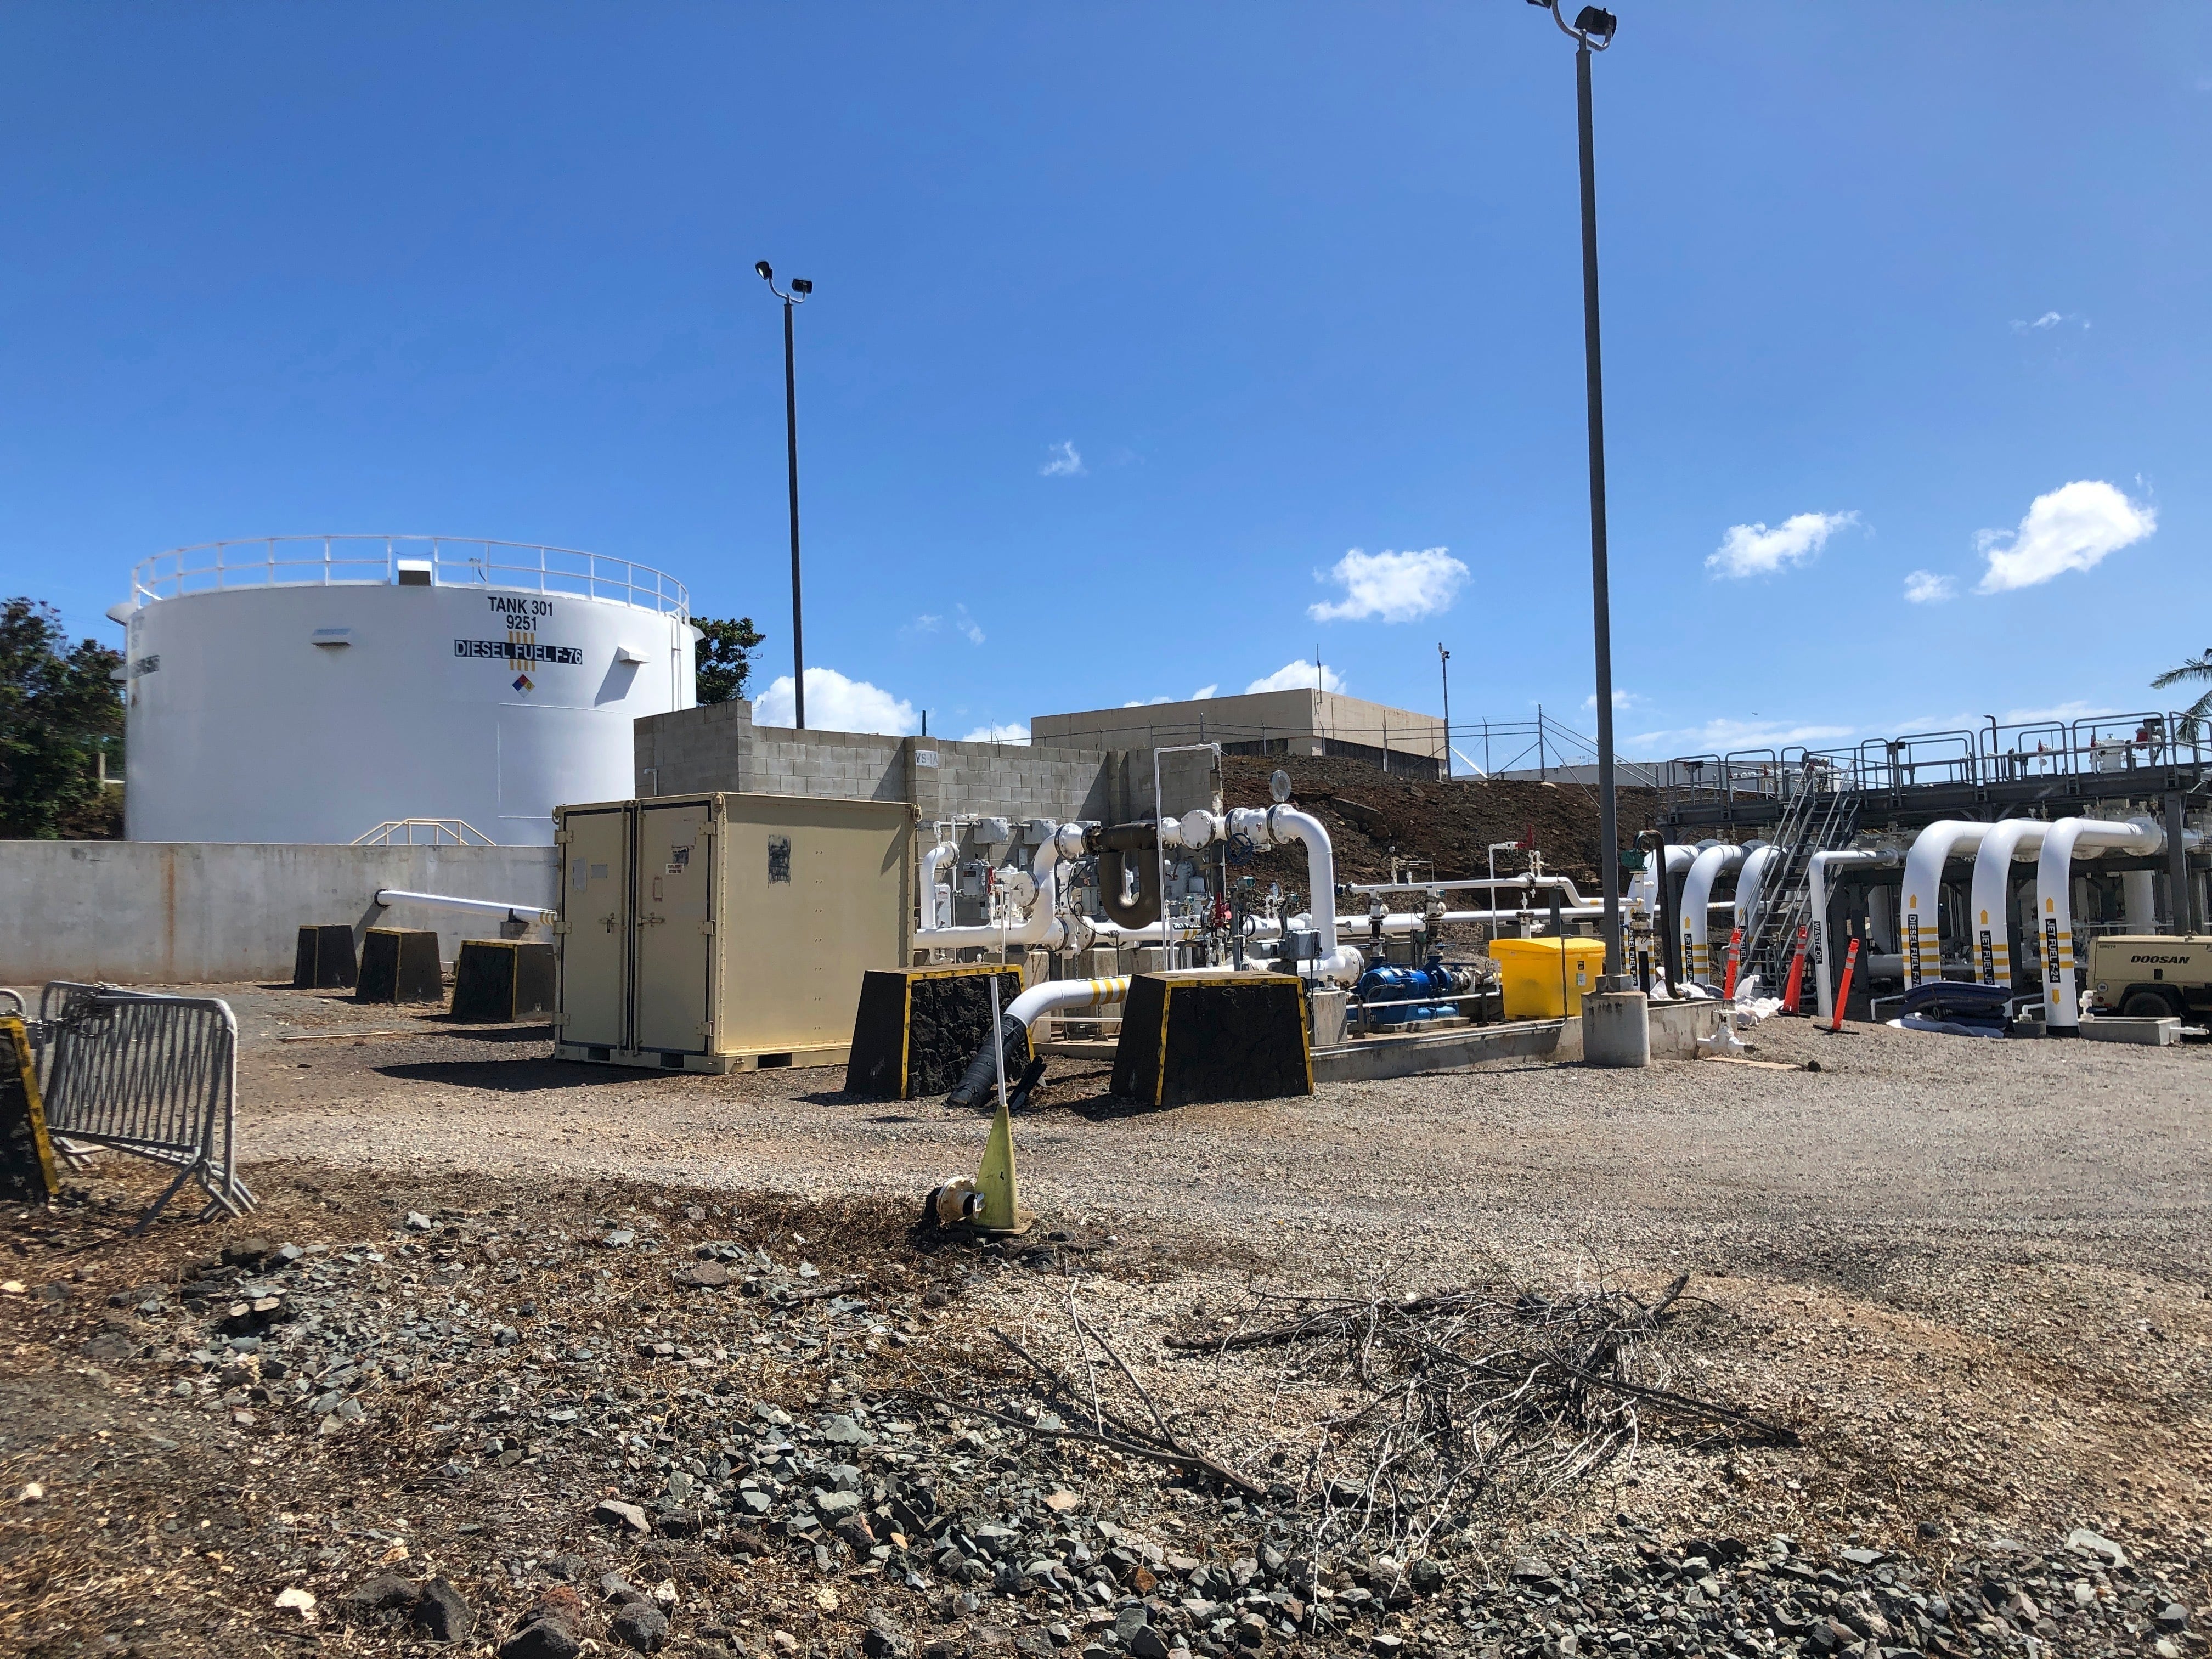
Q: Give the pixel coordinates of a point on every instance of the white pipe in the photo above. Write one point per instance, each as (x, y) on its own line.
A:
(934, 858)
(1043, 925)
(1524, 882)
(1408, 922)
(2054, 900)
(1274, 826)
(1113, 933)
(1696, 901)
(1645, 883)
(1918, 938)
(1991, 945)
(1057, 995)
(527, 913)
(1758, 865)
(1882, 924)
(2139, 901)
(1824, 966)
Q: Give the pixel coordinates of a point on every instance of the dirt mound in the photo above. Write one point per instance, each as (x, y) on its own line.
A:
(1369, 813)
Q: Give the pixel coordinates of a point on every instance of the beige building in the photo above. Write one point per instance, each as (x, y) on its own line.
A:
(1297, 722)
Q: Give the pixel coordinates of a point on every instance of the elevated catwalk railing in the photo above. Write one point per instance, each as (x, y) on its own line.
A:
(1542, 749)
(2119, 754)
(446, 561)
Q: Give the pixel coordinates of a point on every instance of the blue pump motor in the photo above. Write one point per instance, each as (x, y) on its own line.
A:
(1405, 991)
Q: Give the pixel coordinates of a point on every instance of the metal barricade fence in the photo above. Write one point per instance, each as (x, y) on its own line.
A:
(154, 1076)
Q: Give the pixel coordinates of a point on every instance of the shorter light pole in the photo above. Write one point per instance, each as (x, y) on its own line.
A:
(1443, 662)
(800, 288)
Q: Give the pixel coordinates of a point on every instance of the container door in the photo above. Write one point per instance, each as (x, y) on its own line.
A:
(673, 901)
(594, 949)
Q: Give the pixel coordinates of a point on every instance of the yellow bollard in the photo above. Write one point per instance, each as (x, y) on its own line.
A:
(995, 1180)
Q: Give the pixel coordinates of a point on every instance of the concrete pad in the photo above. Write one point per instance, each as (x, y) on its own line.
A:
(2149, 1033)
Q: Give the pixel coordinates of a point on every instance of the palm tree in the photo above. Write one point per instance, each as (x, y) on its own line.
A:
(2192, 669)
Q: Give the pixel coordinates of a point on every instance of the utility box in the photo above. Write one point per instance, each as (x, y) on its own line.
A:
(1545, 978)
(721, 933)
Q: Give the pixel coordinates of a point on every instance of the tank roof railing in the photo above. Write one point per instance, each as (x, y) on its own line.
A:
(373, 561)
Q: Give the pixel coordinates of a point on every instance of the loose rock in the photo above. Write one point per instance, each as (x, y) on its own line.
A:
(640, 1625)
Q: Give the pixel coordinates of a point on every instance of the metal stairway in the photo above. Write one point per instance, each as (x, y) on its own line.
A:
(1816, 820)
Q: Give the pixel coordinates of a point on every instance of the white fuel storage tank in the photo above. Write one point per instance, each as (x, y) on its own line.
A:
(309, 689)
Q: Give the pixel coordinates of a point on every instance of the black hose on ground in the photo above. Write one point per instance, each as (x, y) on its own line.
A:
(979, 1085)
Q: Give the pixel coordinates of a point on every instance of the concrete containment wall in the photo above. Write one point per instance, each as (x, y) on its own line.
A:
(192, 912)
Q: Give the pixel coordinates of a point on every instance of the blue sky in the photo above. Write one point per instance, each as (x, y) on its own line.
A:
(1132, 323)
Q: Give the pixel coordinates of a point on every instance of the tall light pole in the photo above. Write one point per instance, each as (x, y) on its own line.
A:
(1593, 30)
(800, 288)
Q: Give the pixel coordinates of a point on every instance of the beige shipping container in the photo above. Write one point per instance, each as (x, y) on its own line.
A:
(722, 932)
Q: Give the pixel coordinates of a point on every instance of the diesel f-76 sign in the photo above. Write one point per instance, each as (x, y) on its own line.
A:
(517, 651)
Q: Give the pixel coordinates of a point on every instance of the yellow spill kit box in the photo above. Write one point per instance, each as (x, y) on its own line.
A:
(1531, 971)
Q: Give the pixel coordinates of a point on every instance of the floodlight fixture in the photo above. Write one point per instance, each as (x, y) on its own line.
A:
(762, 268)
(801, 287)
(1597, 25)
(1593, 27)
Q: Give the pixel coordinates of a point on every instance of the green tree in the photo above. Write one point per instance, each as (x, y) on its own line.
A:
(60, 712)
(2193, 671)
(725, 657)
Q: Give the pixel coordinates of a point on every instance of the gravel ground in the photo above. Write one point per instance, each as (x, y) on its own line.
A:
(1970, 1277)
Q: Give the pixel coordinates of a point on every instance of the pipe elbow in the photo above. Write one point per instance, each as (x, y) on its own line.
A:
(1113, 877)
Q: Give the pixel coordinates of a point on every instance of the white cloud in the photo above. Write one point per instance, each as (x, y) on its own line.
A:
(925, 623)
(1062, 462)
(1926, 588)
(1620, 700)
(1395, 586)
(2072, 528)
(834, 703)
(1718, 737)
(1199, 696)
(1753, 549)
(2049, 319)
(2064, 711)
(1299, 676)
(968, 626)
(1012, 731)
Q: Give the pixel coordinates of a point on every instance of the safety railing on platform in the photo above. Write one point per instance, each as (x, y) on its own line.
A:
(424, 832)
(453, 561)
(2092, 750)
(150, 1075)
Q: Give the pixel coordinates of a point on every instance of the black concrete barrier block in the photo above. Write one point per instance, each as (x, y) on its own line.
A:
(1188, 1039)
(324, 960)
(917, 1027)
(499, 980)
(399, 965)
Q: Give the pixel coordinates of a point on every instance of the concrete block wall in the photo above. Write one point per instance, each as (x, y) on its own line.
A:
(201, 913)
(1022, 782)
(693, 749)
(838, 765)
(719, 747)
